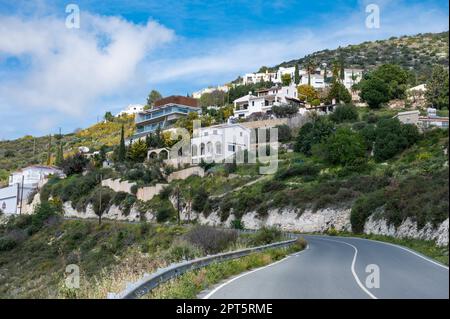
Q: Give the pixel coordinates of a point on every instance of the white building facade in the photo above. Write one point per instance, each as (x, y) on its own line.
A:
(33, 175)
(219, 142)
(264, 99)
(131, 109)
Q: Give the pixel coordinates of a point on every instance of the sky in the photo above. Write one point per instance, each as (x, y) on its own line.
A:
(52, 76)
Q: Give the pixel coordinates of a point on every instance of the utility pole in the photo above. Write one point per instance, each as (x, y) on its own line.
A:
(100, 202)
(21, 195)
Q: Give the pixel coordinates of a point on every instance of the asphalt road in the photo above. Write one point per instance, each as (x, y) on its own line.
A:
(335, 267)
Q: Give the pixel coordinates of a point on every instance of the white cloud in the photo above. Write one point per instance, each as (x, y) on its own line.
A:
(246, 53)
(71, 68)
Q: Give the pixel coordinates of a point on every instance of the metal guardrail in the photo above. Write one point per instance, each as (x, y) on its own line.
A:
(151, 281)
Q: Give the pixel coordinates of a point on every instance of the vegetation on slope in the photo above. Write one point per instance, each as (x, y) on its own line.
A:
(417, 53)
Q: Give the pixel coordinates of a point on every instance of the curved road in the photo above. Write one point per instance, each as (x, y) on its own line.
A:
(335, 267)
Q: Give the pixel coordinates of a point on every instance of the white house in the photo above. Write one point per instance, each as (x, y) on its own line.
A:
(21, 184)
(351, 77)
(32, 176)
(253, 78)
(131, 109)
(198, 94)
(264, 99)
(282, 71)
(408, 117)
(317, 80)
(219, 142)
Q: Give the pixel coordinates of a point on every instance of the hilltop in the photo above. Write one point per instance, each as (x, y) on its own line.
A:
(417, 53)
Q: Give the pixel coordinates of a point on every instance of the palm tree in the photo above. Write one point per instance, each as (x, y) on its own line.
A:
(310, 68)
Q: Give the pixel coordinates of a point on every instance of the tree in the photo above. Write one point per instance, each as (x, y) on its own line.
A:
(307, 93)
(296, 75)
(108, 117)
(391, 137)
(153, 97)
(74, 164)
(137, 152)
(215, 98)
(339, 92)
(313, 133)
(395, 78)
(345, 147)
(59, 154)
(286, 79)
(49, 150)
(285, 110)
(374, 91)
(437, 88)
(121, 153)
(284, 133)
(310, 69)
(343, 113)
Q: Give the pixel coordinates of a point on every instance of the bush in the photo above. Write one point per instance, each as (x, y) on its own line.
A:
(74, 164)
(164, 213)
(200, 200)
(211, 240)
(307, 170)
(266, 235)
(313, 133)
(343, 148)
(7, 244)
(284, 133)
(344, 113)
(237, 224)
(183, 250)
(363, 207)
(391, 137)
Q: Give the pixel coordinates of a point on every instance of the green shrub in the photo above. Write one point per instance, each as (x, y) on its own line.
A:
(266, 235)
(237, 224)
(164, 213)
(7, 244)
(211, 240)
(313, 133)
(345, 147)
(307, 170)
(200, 200)
(365, 206)
(344, 113)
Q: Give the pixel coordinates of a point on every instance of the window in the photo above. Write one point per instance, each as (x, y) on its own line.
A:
(240, 133)
(231, 148)
(206, 133)
(215, 132)
(218, 148)
(209, 148)
(202, 149)
(253, 103)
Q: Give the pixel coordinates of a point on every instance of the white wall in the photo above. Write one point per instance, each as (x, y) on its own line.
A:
(8, 199)
(216, 141)
(32, 175)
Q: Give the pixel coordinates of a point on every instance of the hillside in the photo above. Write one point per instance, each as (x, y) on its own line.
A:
(418, 53)
(28, 150)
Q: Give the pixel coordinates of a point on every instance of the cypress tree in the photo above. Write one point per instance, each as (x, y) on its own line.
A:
(59, 154)
(296, 75)
(122, 151)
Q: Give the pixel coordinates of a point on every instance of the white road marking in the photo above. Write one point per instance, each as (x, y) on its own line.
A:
(404, 248)
(353, 266)
(250, 272)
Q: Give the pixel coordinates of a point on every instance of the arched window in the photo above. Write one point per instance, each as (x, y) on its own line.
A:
(209, 148)
(194, 150)
(218, 148)
(153, 155)
(202, 149)
(163, 155)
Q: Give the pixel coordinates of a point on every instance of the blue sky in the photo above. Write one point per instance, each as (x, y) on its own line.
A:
(51, 76)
